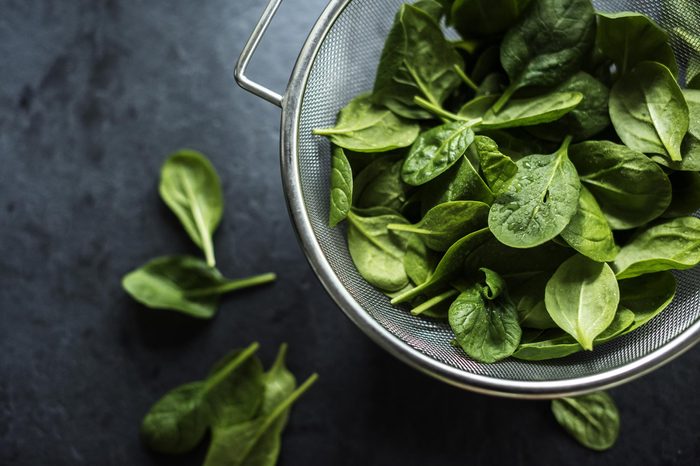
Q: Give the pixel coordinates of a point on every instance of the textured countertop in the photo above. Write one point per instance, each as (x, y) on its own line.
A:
(93, 96)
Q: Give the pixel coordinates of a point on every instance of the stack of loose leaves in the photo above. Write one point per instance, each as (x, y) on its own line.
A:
(244, 408)
(533, 184)
(191, 188)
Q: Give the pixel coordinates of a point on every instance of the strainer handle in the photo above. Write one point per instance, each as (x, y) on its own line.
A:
(249, 49)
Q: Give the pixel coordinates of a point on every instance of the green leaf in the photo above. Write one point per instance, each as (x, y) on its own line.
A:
(191, 188)
(432, 7)
(380, 185)
(378, 252)
(630, 38)
(485, 321)
(185, 284)
(528, 298)
(540, 201)
(532, 111)
(435, 151)
(690, 148)
(445, 223)
(649, 112)
(462, 181)
(479, 18)
(547, 45)
(671, 245)
(647, 295)
(582, 298)
(498, 169)
(593, 420)
(341, 187)
(419, 262)
(363, 126)
(417, 60)
(630, 189)
(589, 232)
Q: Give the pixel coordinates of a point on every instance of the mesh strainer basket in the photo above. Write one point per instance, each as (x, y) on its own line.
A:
(337, 62)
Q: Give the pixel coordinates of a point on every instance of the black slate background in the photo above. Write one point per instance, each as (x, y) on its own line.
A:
(93, 96)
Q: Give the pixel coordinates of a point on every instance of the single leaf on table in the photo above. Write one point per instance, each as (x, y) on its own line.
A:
(479, 18)
(630, 189)
(380, 185)
(647, 295)
(686, 194)
(417, 60)
(445, 223)
(531, 111)
(539, 202)
(671, 245)
(582, 297)
(593, 420)
(589, 232)
(378, 252)
(191, 188)
(587, 119)
(435, 151)
(341, 186)
(462, 181)
(547, 44)
(649, 112)
(485, 321)
(630, 38)
(363, 126)
(185, 284)
(498, 169)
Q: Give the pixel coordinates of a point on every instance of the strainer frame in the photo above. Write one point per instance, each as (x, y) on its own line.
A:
(290, 101)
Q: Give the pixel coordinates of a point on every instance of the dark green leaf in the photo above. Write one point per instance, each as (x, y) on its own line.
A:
(477, 18)
(498, 169)
(461, 182)
(380, 185)
(593, 420)
(686, 194)
(528, 298)
(531, 111)
(589, 232)
(647, 295)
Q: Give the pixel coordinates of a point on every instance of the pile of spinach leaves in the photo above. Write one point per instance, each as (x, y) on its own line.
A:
(532, 184)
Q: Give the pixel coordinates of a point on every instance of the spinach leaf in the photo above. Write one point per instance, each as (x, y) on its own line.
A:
(445, 223)
(630, 189)
(485, 321)
(449, 267)
(674, 244)
(479, 18)
(514, 145)
(529, 302)
(380, 185)
(649, 112)
(593, 420)
(582, 298)
(417, 60)
(589, 232)
(341, 186)
(498, 169)
(532, 111)
(540, 201)
(191, 188)
(434, 8)
(547, 44)
(365, 127)
(435, 151)
(419, 262)
(178, 421)
(587, 119)
(185, 284)
(647, 295)
(686, 194)
(377, 251)
(462, 181)
(630, 38)
(690, 148)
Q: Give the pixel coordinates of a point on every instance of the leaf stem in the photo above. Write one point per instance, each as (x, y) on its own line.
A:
(434, 301)
(409, 229)
(465, 77)
(505, 97)
(412, 293)
(231, 366)
(232, 285)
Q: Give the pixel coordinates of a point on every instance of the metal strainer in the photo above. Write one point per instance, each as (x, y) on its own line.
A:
(337, 62)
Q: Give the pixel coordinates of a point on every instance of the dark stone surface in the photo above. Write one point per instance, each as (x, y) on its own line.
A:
(93, 96)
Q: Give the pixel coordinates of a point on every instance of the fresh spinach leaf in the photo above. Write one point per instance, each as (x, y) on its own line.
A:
(630, 189)
(589, 232)
(480, 18)
(341, 186)
(593, 420)
(363, 126)
(649, 112)
(671, 245)
(647, 295)
(531, 111)
(461, 181)
(547, 44)
(185, 284)
(419, 262)
(690, 148)
(630, 38)
(485, 321)
(377, 251)
(686, 194)
(498, 169)
(540, 201)
(435, 151)
(417, 60)
(582, 297)
(445, 223)
(380, 185)
(191, 188)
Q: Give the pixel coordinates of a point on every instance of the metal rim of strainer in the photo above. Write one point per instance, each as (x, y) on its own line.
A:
(291, 104)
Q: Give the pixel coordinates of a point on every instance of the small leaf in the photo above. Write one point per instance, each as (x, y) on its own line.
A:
(341, 186)
(498, 169)
(593, 420)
